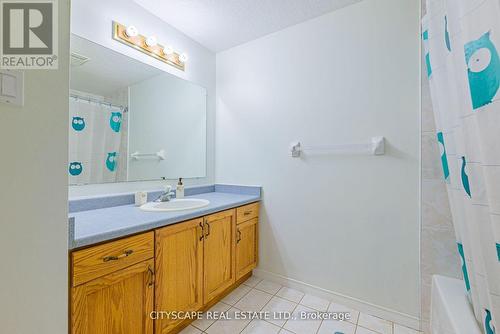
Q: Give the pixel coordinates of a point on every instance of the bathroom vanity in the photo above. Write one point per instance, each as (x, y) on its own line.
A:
(156, 263)
(130, 267)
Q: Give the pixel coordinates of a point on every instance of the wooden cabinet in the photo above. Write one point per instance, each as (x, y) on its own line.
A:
(179, 271)
(113, 287)
(186, 267)
(219, 253)
(246, 247)
(117, 303)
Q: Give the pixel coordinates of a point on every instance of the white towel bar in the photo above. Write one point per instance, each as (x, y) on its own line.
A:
(376, 147)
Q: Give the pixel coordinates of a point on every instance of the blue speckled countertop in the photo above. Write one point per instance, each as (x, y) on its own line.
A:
(87, 227)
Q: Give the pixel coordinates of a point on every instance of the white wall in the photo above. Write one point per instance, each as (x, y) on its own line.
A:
(33, 200)
(92, 19)
(347, 224)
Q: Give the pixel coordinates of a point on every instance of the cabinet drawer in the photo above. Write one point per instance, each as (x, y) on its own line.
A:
(247, 212)
(97, 261)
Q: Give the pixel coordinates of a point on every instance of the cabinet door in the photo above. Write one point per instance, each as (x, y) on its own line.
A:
(219, 254)
(118, 303)
(179, 271)
(246, 247)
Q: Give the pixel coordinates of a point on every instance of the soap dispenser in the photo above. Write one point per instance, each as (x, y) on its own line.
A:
(179, 191)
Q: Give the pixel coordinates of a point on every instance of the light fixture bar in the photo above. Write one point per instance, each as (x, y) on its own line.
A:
(148, 46)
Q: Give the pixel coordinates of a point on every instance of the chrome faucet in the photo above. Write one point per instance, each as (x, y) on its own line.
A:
(167, 194)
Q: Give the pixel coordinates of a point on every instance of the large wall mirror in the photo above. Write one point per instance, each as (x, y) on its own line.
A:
(130, 121)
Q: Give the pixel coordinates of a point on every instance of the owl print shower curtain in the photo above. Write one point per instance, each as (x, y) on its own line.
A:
(461, 41)
(95, 134)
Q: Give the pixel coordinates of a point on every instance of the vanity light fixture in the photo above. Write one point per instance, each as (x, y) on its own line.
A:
(168, 50)
(131, 31)
(148, 45)
(151, 41)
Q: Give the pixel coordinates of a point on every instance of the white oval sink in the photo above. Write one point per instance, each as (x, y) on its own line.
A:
(175, 205)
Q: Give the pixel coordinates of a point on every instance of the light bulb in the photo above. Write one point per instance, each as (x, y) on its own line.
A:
(168, 50)
(151, 41)
(183, 57)
(131, 31)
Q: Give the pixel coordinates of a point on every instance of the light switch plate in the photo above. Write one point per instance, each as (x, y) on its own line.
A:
(12, 87)
(9, 83)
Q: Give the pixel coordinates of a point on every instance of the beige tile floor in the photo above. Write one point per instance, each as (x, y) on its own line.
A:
(259, 295)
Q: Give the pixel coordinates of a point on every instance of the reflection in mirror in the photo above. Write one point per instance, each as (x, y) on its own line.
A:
(130, 121)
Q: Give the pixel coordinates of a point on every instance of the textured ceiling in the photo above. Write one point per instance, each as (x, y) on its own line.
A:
(222, 24)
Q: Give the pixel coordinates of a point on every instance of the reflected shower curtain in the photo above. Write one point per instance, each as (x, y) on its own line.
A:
(95, 134)
(461, 41)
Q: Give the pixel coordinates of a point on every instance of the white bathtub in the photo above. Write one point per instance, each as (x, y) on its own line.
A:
(451, 312)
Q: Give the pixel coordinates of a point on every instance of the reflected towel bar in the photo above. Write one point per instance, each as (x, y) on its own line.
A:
(160, 155)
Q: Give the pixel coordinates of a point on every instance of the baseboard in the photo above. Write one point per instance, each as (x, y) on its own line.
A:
(357, 304)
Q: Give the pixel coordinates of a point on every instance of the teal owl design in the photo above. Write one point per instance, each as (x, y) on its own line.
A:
(75, 168)
(78, 123)
(447, 34)
(464, 266)
(111, 161)
(488, 326)
(115, 121)
(444, 159)
(498, 251)
(483, 69)
(465, 177)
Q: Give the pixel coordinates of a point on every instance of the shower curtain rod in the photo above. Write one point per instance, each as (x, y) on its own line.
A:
(90, 99)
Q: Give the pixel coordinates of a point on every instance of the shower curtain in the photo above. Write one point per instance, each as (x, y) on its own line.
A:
(461, 41)
(95, 135)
